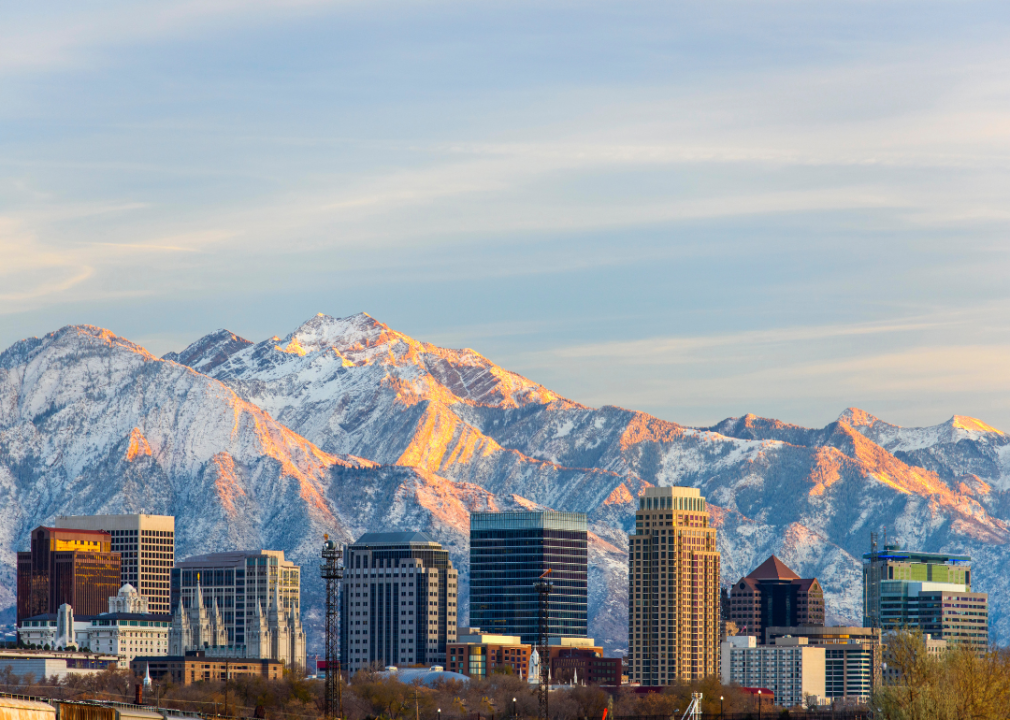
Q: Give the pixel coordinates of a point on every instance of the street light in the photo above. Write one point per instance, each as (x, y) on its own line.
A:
(440, 714)
(721, 698)
(514, 714)
(759, 705)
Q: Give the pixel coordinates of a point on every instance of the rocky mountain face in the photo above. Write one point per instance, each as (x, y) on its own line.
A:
(345, 426)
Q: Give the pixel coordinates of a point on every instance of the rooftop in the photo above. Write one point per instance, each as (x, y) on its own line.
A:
(916, 557)
(234, 557)
(773, 569)
(534, 520)
(396, 538)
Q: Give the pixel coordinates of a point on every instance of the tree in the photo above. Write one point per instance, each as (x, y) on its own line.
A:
(959, 684)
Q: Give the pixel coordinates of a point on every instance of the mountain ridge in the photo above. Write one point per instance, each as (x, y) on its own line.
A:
(348, 424)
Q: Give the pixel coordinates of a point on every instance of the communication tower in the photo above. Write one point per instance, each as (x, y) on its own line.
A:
(332, 572)
(543, 587)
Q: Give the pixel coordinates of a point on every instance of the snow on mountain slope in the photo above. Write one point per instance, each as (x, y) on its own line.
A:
(209, 351)
(813, 496)
(91, 423)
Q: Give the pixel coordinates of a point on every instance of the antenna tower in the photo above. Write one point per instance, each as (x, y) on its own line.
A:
(332, 572)
(543, 587)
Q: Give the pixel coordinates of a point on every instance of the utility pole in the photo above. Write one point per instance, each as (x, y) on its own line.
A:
(332, 572)
(543, 587)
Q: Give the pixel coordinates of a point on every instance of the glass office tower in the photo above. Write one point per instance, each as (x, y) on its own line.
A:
(508, 552)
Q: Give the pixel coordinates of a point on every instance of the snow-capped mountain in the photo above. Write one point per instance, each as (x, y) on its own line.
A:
(345, 426)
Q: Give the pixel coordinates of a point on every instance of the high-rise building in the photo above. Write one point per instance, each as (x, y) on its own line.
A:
(508, 552)
(673, 589)
(146, 544)
(930, 592)
(73, 567)
(791, 668)
(852, 657)
(774, 595)
(243, 604)
(399, 601)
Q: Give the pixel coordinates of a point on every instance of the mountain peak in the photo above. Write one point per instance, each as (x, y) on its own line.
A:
(855, 417)
(963, 422)
(209, 351)
(322, 332)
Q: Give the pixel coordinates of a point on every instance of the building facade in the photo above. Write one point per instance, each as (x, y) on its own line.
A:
(673, 589)
(792, 669)
(478, 654)
(73, 567)
(124, 635)
(146, 544)
(399, 601)
(581, 661)
(852, 657)
(47, 664)
(774, 595)
(508, 552)
(951, 616)
(930, 592)
(196, 666)
(244, 604)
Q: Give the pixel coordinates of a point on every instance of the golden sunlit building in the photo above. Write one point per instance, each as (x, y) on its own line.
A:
(73, 567)
(673, 589)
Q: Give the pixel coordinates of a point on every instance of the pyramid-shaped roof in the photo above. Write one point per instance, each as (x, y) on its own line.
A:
(773, 569)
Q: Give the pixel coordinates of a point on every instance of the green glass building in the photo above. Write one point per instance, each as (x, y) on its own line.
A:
(923, 591)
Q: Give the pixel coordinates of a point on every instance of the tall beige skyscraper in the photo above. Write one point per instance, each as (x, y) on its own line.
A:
(146, 544)
(673, 589)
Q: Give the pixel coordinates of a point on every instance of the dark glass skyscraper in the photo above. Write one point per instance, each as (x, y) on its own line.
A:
(508, 552)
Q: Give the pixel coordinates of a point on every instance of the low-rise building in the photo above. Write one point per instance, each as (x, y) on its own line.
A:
(478, 654)
(790, 668)
(45, 664)
(123, 634)
(852, 657)
(195, 666)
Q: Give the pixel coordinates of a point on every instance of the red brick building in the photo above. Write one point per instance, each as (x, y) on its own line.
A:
(773, 595)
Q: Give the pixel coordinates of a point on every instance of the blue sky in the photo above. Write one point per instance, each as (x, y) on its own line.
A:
(695, 209)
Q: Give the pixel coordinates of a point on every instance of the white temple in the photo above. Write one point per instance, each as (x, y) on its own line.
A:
(276, 634)
(128, 600)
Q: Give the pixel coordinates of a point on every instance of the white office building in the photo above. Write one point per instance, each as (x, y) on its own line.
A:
(146, 545)
(399, 601)
(790, 668)
(125, 632)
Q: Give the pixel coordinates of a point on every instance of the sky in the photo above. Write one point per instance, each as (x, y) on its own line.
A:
(695, 209)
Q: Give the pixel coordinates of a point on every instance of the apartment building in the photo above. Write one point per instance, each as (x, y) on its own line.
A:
(792, 669)
(673, 589)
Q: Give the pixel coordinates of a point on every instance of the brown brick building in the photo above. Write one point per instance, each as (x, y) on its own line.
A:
(196, 667)
(479, 654)
(773, 595)
(75, 567)
(586, 665)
